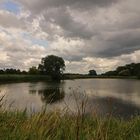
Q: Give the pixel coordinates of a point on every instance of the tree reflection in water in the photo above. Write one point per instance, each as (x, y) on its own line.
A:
(50, 95)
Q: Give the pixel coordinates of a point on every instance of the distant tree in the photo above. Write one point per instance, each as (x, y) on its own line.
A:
(110, 73)
(126, 70)
(18, 71)
(1, 71)
(24, 72)
(120, 68)
(33, 70)
(52, 65)
(125, 73)
(12, 71)
(92, 73)
(41, 68)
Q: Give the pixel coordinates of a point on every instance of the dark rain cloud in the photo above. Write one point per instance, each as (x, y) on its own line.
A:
(37, 5)
(123, 37)
(77, 29)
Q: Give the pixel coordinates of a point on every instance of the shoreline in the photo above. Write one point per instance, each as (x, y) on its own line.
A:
(38, 78)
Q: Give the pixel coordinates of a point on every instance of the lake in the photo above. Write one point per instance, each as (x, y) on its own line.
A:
(117, 97)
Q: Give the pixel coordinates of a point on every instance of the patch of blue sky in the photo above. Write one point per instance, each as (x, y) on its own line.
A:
(34, 40)
(10, 6)
(40, 42)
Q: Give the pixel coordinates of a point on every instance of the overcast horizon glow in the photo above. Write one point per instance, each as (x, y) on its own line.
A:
(88, 34)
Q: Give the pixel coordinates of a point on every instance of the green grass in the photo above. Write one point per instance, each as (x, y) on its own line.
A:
(23, 78)
(55, 126)
(29, 78)
(80, 76)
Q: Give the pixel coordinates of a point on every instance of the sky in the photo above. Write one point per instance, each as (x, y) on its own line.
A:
(88, 34)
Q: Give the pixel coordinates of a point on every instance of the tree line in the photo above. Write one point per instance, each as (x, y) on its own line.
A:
(54, 66)
(132, 69)
(51, 65)
(12, 71)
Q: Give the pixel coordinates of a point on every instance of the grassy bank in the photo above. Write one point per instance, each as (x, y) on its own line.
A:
(30, 78)
(23, 78)
(54, 126)
(80, 76)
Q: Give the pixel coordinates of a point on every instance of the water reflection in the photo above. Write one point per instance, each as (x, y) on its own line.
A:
(116, 96)
(50, 95)
(113, 106)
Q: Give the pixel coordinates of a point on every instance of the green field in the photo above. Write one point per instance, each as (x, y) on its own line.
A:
(81, 76)
(23, 78)
(30, 78)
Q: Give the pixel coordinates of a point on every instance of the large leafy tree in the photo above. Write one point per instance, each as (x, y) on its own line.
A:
(52, 65)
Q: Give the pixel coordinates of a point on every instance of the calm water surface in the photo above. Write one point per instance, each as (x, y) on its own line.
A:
(118, 97)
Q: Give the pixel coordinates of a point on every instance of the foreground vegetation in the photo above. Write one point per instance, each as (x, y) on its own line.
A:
(55, 126)
(66, 124)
